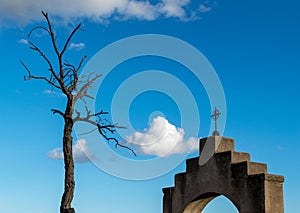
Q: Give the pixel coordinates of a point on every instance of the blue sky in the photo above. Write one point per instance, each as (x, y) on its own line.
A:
(253, 47)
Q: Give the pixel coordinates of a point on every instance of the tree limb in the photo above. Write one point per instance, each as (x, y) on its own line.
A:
(101, 113)
(52, 35)
(81, 63)
(102, 128)
(51, 69)
(69, 39)
(83, 90)
(59, 56)
(86, 133)
(75, 72)
(56, 111)
(29, 77)
(38, 27)
(113, 139)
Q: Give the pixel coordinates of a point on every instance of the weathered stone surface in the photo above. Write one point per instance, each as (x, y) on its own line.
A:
(71, 210)
(238, 157)
(227, 173)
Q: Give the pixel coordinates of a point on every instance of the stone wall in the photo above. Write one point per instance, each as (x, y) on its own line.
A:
(221, 171)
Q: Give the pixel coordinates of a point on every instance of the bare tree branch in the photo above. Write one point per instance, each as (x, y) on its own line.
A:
(102, 127)
(52, 35)
(86, 133)
(56, 111)
(69, 39)
(89, 116)
(81, 63)
(38, 27)
(100, 130)
(101, 113)
(75, 73)
(51, 69)
(59, 56)
(83, 90)
(30, 77)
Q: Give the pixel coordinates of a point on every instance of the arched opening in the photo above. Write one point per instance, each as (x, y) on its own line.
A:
(220, 204)
(211, 203)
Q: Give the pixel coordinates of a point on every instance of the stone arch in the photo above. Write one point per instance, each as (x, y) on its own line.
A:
(224, 172)
(201, 202)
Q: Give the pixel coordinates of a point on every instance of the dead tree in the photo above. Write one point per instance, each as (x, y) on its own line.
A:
(65, 78)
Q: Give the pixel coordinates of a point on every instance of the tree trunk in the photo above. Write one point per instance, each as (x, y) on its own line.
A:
(69, 183)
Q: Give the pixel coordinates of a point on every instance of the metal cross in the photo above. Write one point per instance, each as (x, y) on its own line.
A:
(216, 114)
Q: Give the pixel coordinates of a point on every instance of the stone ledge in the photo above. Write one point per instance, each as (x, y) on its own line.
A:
(237, 157)
(249, 168)
(256, 168)
(216, 144)
(271, 177)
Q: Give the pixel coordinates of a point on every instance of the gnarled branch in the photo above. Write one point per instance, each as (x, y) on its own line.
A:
(83, 90)
(103, 126)
(30, 77)
(51, 69)
(111, 129)
(67, 74)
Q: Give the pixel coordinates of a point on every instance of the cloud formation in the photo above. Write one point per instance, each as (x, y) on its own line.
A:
(204, 9)
(53, 93)
(23, 41)
(77, 46)
(162, 139)
(21, 13)
(81, 152)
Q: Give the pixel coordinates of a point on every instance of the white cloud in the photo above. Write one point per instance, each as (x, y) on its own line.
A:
(162, 139)
(56, 154)
(49, 92)
(77, 46)
(204, 9)
(21, 13)
(140, 10)
(23, 41)
(53, 93)
(81, 152)
(174, 8)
